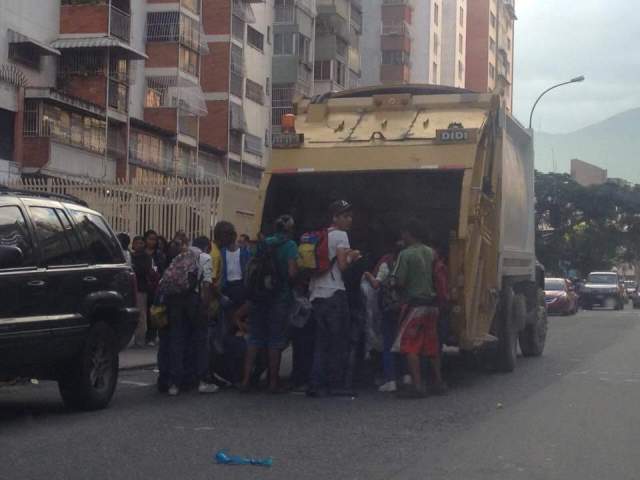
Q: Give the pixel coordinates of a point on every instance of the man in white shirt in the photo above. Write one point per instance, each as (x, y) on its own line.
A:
(331, 308)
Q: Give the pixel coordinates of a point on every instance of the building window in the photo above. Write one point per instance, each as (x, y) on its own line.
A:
(436, 44)
(269, 34)
(492, 71)
(255, 38)
(254, 91)
(395, 57)
(150, 151)
(436, 14)
(7, 129)
(285, 11)
(43, 120)
(253, 144)
(460, 69)
(237, 28)
(460, 43)
(304, 49)
(283, 43)
(163, 26)
(493, 20)
(435, 72)
(322, 70)
(267, 87)
(25, 54)
(462, 16)
(492, 44)
(341, 73)
(189, 61)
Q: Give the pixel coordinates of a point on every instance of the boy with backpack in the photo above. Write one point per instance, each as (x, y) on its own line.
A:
(268, 287)
(330, 306)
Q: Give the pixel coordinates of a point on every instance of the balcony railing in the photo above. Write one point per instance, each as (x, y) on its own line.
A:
(400, 28)
(285, 15)
(120, 23)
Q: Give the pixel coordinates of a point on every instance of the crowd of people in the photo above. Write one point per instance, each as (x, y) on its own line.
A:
(223, 310)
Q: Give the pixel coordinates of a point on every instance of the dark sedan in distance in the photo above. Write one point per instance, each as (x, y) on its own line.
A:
(560, 296)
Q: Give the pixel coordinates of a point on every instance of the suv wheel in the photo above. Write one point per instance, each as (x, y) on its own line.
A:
(91, 379)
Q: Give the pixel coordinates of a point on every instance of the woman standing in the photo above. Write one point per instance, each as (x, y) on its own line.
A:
(159, 264)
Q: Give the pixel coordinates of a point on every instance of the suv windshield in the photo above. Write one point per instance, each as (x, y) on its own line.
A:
(553, 285)
(603, 279)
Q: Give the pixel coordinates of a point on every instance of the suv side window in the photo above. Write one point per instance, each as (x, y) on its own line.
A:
(14, 233)
(103, 247)
(54, 242)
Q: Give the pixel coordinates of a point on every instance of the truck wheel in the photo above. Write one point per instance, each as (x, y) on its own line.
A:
(507, 332)
(534, 336)
(91, 379)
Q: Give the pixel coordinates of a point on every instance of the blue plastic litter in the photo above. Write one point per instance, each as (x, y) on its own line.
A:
(223, 458)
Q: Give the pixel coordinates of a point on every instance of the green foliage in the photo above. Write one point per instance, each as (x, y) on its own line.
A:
(585, 228)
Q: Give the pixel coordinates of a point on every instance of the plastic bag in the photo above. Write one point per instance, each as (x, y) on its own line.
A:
(223, 458)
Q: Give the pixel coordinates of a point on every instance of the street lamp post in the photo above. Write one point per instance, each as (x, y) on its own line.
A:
(573, 80)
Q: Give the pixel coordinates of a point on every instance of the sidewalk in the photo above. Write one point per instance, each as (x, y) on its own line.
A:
(132, 358)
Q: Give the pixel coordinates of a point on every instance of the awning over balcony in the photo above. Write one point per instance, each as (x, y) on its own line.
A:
(100, 42)
(19, 38)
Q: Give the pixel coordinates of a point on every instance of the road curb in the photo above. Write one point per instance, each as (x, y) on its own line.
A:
(138, 366)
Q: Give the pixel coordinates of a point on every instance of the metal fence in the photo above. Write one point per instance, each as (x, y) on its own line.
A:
(167, 206)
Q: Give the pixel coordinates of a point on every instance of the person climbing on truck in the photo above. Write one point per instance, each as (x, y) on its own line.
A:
(418, 333)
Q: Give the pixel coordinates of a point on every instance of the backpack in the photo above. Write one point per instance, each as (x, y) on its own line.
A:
(313, 252)
(182, 275)
(263, 278)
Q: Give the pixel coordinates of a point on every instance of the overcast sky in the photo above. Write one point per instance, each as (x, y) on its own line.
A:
(556, 40)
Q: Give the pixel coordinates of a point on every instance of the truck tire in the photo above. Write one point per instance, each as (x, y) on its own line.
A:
(90, 380)
(507, 332)
(534, 335)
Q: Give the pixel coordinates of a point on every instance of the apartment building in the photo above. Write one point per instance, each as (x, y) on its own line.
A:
(293, 55)
(111, 89)
(403, 41)
(490, 39)
(454, 43)
(337, 63)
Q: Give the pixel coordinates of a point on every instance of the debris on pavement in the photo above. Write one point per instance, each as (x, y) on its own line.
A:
(223, 458)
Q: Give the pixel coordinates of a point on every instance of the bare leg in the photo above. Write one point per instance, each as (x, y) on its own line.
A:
(274, 368)
(436, 366)
(249, 362)
(413, 363)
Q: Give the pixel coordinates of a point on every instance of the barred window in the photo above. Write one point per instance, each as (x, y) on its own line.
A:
(163, 26)
(253, 144)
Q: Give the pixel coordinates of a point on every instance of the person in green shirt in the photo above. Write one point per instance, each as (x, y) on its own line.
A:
(418, 334)
(268, 319)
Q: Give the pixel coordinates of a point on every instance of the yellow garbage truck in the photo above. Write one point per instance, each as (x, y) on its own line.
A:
(454, 159)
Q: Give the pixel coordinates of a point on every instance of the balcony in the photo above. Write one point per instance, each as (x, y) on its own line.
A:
(108, 18)
(120, 24)
(118, 96)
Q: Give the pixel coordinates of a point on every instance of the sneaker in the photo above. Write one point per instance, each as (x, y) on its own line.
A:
(406, 379)
(388, 387)
(207, 387)
(174, 391)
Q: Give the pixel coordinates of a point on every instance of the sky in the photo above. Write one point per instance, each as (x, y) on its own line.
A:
(556, 40)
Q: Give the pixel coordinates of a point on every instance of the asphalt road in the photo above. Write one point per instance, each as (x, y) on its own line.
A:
(572, 414)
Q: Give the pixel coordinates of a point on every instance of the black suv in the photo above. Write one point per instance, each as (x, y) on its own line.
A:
(603, 289)
(67, 296)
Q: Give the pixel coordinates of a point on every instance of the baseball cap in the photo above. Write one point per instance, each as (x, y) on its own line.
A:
(340, 206)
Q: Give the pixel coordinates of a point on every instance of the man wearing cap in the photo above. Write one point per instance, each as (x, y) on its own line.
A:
(331, 309)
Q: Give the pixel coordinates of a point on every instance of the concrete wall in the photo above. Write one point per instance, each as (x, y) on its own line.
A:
(587, 174)
(370, 42)
(258, 65)
(477, 61)
(451, 31)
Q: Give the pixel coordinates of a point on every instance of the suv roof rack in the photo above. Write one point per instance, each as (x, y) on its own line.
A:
(60, 196)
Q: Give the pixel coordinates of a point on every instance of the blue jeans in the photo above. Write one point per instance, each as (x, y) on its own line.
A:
(331, 316)
(183, 352)
(389, 332)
